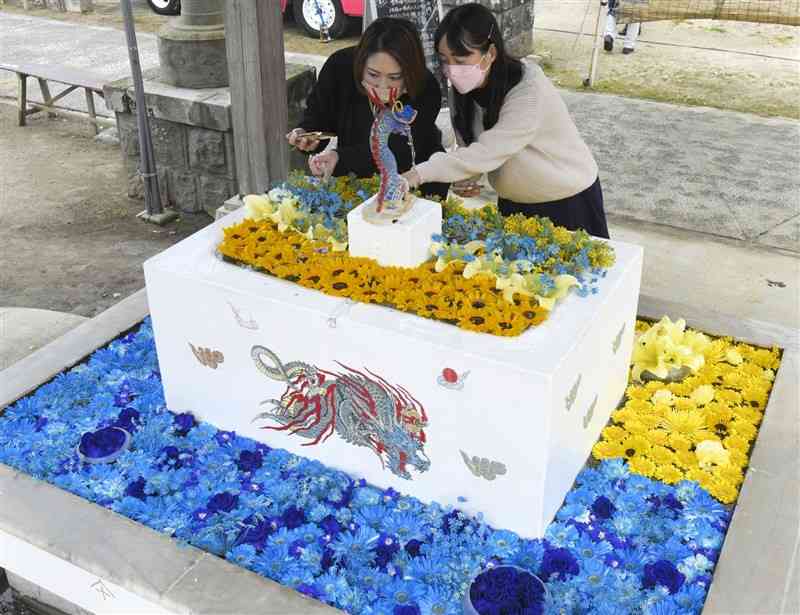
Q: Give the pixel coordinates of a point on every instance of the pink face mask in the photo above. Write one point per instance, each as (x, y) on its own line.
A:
(465, 77)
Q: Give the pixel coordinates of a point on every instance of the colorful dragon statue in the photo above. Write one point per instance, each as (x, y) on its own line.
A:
(393, 117)
(363, 409)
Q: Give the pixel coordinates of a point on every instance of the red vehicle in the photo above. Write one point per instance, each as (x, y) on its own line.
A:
(310, 14)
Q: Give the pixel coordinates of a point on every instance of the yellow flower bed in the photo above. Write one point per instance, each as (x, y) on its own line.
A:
(700, 429)
(474, 304)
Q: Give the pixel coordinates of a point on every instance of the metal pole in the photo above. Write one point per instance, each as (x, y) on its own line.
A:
(154, 211)
(589, 81)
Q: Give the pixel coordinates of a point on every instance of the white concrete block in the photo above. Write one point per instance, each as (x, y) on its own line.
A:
(506, 439)
(404, 243)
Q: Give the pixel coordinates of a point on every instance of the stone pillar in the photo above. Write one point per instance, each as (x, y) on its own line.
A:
(515, 18)
(191, 48)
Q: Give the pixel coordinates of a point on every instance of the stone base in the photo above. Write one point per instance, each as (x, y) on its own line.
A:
(399, 242)
(193, 58)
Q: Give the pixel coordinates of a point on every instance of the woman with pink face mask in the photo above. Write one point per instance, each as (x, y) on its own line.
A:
(388, 57)
(511, 123)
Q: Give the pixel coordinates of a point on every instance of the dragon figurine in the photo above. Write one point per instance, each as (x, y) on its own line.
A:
(362, 408)
(394, 197)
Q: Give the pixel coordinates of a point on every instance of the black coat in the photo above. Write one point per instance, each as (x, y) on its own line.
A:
(335, 105)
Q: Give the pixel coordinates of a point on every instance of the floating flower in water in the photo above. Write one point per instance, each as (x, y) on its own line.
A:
(505, 589)
(450, 379)
(103, 445)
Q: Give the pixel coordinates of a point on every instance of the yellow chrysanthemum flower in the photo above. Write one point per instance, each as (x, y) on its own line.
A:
(607, 450)
(635, 446)
(663, 396)
(658, 437)
(670, 474)
(685, 459)
(661, 455)
(614, 433)
(679, 442)
(723, 491)
(737, 443)
(690, 425)
(642, 465)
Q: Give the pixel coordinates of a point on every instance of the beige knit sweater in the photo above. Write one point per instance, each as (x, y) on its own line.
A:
(533, 154)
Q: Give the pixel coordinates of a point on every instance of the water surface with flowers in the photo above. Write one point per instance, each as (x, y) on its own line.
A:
(620, 544)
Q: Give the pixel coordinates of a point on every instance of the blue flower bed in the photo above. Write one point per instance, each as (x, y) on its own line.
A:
(620, 544)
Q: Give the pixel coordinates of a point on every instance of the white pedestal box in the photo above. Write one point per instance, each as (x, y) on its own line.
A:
(405, 243)
(506, 428)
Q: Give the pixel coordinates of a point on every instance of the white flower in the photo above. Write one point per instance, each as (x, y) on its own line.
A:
(712, 452)
(703, 394)
(663, 396)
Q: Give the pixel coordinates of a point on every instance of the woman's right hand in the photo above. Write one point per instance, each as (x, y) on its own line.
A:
(304, 144)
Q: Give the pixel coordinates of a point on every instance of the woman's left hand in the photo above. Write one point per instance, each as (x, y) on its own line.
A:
(413, 178)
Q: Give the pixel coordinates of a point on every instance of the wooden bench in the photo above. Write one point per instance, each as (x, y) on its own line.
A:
(72, 78)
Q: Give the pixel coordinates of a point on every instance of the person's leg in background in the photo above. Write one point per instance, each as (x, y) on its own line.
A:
(611, 26)
(631, 34)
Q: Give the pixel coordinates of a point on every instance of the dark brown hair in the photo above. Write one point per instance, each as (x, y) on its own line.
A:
(400, 39)
(468, 28)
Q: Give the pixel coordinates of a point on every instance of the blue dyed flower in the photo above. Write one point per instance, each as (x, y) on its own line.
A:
(222, 502)
(184, 422)
(224, 437)
(558, 561)
(603, 508)
(136, 489)
(310, 590)
(293, 517)
(128, 419)
(663, 573)
(249, 461)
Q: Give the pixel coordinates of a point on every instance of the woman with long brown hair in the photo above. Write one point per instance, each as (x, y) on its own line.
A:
(388, 56)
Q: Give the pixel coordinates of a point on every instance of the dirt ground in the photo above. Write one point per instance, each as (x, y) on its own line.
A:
(69, 237)
(738, 66)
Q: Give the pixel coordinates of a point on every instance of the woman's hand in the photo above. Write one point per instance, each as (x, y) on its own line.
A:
(304, 144)
(322, 165)
(467, 188)
(413, 179)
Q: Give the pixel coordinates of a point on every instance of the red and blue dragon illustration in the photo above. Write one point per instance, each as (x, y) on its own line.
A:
(362, 408)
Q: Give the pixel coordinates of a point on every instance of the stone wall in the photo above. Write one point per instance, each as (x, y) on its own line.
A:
(515, 18)
(73, 6)
(192, 137)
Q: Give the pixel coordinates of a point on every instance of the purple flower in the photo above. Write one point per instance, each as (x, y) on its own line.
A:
(293, 517)
(225, 437)
(124, 395)
(663, 573)
(222, 502)
(559, 561)
(41, 421)
(175, 458)
(345, 498)
(249, 461)
(405, 609)
(255, 532)
(128, 420)
(262, 448)
(412, 547)
(201, 514)
(670, 501)
(184, 423)
(296, 548)
(330, 525)
(387, 546)
(603, 508)
(102, 443)
(136, 489)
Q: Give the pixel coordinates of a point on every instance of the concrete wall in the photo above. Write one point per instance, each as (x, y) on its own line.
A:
(515, 18)
(192, 136)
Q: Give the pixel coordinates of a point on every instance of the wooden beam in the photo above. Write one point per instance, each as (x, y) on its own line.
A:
(257, 70)
(22, 98)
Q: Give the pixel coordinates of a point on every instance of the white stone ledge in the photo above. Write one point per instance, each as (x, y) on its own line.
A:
(757, 571)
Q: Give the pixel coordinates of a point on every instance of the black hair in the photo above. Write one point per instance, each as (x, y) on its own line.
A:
(473, 27)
